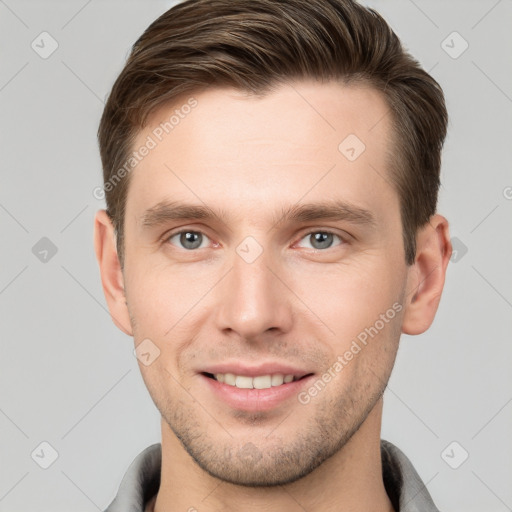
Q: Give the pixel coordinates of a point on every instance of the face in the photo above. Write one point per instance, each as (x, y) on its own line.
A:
(262, 245)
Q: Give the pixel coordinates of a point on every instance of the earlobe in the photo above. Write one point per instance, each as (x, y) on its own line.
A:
(110, 270)
(427, 275)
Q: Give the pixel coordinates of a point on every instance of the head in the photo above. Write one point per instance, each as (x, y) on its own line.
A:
(254, 126)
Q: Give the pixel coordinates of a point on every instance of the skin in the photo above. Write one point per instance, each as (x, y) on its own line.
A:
(299, 303)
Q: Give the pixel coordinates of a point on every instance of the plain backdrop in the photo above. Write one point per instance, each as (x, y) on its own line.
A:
(69, 378)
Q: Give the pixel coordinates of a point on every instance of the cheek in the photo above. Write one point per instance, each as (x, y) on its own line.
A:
(351, 297)
(159, 295)
(169, 304)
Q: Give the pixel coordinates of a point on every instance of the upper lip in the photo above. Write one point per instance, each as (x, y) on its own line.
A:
(270, 368)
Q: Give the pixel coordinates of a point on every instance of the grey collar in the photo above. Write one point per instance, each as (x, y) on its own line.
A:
(405, 488)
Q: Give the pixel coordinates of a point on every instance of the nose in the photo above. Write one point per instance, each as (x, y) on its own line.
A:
(253, 299)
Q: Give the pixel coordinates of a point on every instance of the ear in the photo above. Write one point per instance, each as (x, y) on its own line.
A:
(426, 277)
(110, 270)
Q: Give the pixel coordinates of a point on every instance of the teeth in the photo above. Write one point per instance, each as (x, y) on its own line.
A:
(243, 382)
(259, 382)
(229, 378)
(277, 379)
(262, 382)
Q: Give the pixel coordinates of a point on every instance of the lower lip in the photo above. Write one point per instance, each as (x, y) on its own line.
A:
(255, 400)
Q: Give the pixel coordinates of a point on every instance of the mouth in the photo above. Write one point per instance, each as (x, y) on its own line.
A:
(264, 387)
(255, 382)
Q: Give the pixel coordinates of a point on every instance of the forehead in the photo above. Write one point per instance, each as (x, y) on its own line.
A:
(223, 146)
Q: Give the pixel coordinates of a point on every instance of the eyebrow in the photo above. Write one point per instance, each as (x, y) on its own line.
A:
(337, 210)
(176, 210)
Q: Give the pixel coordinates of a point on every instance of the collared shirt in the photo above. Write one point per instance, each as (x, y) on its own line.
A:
(405, 489)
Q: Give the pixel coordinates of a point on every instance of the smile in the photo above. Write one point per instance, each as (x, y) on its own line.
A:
(257, 382)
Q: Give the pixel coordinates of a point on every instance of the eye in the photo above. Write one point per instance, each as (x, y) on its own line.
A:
(191, 240)
(188, 239)
(322, 239)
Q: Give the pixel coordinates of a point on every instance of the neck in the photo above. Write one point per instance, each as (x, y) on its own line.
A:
(349, 480)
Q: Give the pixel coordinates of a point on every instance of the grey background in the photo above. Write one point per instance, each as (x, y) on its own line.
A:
(69, 377)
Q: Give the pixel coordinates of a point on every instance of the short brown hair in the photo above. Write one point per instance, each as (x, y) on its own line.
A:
(255, 45)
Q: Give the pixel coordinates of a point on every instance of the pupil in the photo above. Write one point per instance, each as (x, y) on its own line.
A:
(188, 238)
(322, 240)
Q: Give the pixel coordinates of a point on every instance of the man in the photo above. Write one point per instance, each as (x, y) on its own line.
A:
(271, 175)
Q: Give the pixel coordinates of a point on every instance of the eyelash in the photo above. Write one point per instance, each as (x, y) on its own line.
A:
(167, 237)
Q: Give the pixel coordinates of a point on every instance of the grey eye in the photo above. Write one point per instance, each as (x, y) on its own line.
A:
(321, 239)
(189, 240)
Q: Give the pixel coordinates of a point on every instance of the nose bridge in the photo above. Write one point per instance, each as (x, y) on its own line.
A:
(253, 300)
